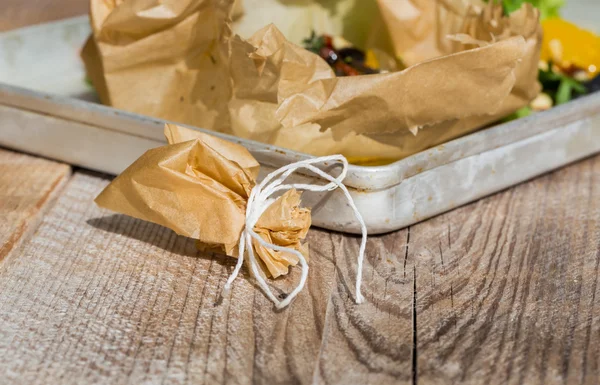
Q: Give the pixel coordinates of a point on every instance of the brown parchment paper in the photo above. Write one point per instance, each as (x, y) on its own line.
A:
(421, 30)
(467, 66)
(198, 186)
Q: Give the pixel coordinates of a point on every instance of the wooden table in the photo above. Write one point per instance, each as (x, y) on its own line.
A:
(504, 290)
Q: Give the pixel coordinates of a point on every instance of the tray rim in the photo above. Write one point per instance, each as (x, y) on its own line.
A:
(367, 178)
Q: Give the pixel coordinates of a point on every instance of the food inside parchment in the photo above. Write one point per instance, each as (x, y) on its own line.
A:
(569, 59)
(342, 56)
(568, 68)
(410, 80)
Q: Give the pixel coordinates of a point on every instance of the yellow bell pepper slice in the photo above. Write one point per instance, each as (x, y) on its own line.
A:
(371, 60)
(566, 45)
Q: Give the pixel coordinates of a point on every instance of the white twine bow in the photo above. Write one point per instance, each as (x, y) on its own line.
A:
(259, 201)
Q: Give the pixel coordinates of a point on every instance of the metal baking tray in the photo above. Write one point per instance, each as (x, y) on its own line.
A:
(46, 108)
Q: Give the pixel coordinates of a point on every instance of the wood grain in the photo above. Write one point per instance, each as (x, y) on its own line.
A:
(20, 13)
(507, 288)
(103, 298)
(27, 187)
(370, 343)
(504, 290)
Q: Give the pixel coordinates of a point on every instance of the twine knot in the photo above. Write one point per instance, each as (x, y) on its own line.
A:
(260, 199)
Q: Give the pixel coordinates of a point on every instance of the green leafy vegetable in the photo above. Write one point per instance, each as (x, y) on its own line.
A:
(560, 87)
(523, 112)
(548, 8)
(314, 43)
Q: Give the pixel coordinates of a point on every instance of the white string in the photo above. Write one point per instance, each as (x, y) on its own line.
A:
(260, 200)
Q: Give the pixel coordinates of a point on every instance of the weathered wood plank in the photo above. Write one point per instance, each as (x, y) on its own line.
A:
(27, 185)
(370, 343)
(507, 292)
(96, 297)
(104, 298)
(507, 288)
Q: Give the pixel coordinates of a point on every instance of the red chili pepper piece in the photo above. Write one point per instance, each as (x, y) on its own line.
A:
(346, 69)
(329, 55)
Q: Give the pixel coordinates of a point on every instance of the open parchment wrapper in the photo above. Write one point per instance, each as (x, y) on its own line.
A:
(198, 186)
(468, 65)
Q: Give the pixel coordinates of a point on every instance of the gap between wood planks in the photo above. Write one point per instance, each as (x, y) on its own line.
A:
(414, 311)
(56, 189)
(414, 315)
(29, 186)
(511, 295)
